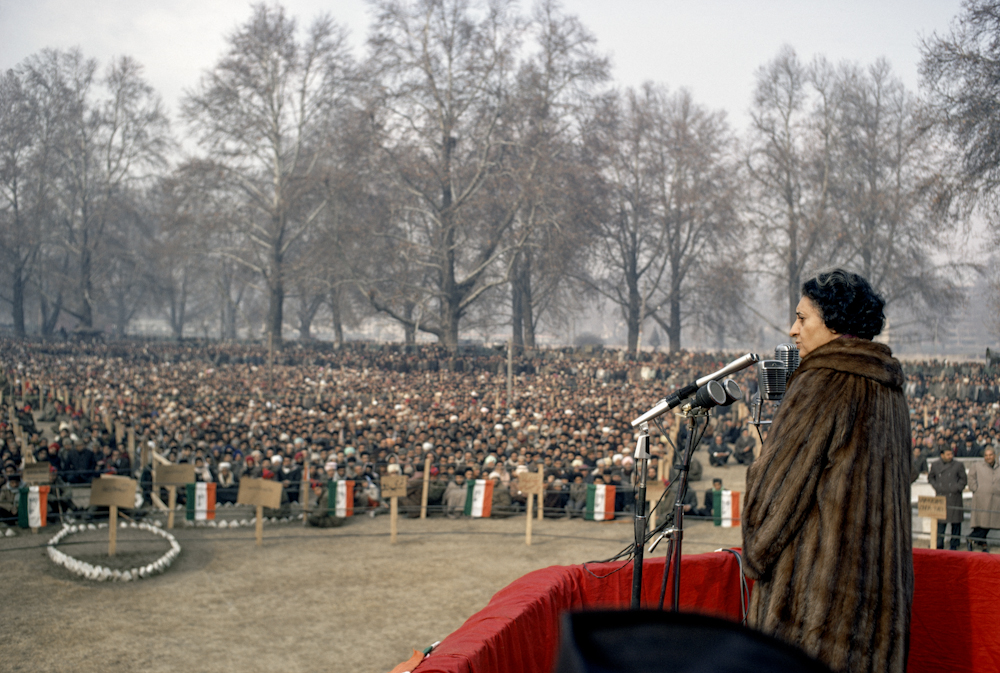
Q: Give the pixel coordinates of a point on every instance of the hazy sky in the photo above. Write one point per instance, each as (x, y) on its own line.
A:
(712, 47)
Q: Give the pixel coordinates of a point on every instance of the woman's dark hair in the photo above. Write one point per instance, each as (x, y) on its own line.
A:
(847, 303)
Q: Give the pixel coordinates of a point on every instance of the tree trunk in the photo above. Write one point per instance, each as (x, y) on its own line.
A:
(86, 289)
(338, 323)
(674, 328)
(17, 308)
(50, 318)
(178, 308)
(632, 318)
(517, 304)
(528, 319)
(275, 306)
(409, 329)
(307, 312)
(450, 320)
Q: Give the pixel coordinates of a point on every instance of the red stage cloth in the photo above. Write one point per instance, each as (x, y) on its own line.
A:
(956, 611)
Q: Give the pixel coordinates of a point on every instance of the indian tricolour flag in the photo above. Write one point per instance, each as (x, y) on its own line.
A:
(33, 506)
(200, 501)
(600, 502)
(726, 508)
(479, 498)
(340, 498)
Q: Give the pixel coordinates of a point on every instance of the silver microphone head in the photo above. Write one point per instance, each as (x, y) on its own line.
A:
(771, 379)
(788, 354)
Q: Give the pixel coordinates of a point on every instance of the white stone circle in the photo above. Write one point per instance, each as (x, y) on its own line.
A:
(104, 574)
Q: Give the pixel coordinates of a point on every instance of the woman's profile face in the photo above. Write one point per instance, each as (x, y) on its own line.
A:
(809, 330)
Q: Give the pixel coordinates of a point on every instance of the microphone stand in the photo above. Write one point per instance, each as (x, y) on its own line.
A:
(641, 463)
(675, 533)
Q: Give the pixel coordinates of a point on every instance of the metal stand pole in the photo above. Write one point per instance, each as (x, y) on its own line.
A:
(675, 534)
(641, 463)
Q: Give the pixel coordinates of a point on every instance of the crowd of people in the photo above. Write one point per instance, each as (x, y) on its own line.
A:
(312, 414)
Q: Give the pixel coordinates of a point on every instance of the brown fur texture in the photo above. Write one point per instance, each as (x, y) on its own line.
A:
(826, 520)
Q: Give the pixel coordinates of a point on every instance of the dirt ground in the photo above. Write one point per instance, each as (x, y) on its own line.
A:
(341, 599)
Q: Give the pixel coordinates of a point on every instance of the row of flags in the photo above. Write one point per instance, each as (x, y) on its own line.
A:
(340, 502)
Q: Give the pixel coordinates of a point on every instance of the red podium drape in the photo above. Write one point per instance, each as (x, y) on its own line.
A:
(956, 610)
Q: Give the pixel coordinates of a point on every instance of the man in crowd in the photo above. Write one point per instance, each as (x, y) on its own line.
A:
(984, 482)
(710, 497)
(948, 478)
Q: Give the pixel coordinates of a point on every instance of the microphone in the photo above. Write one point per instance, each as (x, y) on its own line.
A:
(772, 379)
(674, 399)
(788, 355)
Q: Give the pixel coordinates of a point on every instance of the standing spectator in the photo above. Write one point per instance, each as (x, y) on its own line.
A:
(918, 464)
(948, 478)
(578, 496)
(984, 482)
(454, 497)
(710, 498)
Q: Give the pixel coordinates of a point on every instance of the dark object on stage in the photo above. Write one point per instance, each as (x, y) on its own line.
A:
(641, 641)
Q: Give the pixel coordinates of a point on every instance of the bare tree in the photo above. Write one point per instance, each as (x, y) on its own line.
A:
(443, 72)
(106, 145)
(264, 112)
(25, 149)
(887, 169)
(790, 165)
(555, 83)
(961, 74)
(670, 173)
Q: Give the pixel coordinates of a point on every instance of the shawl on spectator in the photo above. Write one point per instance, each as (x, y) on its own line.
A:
(826, 523)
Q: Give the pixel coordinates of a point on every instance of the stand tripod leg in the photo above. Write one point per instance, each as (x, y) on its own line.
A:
(666, 571)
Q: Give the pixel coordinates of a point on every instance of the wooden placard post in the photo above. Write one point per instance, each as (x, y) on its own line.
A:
(113, 492)
(530, 483)
(119, 433)
(934, 508)
(171, 476)
(261, 493)
(305, 492)
(427, 485)
(394, 488)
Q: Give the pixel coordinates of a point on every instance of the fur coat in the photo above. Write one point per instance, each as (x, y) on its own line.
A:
(826, 521)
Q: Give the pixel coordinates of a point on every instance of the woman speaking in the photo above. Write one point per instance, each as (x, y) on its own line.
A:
(826, 522)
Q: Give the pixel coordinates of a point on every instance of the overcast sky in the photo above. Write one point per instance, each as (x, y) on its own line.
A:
(712, 47)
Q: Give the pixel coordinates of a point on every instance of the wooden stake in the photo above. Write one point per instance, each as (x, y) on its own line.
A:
(131, 447)
(171, 505)
(541, 502)
(427, 486)
(305, 492)
(393, 518)
(510, 374)
(527, 530)
(260, 525)
(934, 534)
(112, 529)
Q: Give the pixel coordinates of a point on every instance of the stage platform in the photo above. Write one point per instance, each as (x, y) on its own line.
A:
(956, 611)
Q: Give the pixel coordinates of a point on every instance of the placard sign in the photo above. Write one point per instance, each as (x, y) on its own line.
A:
(261, 492)
(530, 482)
(394, 485)
(932, 507)
(176, 475)
(114, 491)
(36, 473)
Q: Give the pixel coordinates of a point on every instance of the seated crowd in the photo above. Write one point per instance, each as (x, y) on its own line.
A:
(363, 411)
